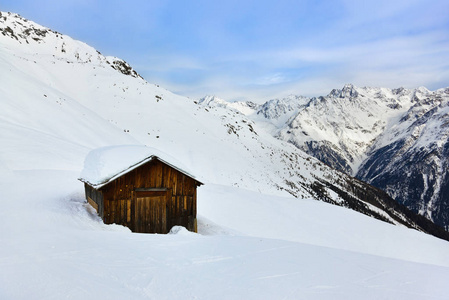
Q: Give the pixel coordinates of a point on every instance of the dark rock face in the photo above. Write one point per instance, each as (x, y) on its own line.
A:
(414, 169)
(124, 68)
(414, 181)
(441, 212)
(326, 152)
(348, 91)
(395, 139)
(362, 197)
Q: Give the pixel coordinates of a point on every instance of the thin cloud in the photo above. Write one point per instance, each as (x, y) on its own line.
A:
(262, 49)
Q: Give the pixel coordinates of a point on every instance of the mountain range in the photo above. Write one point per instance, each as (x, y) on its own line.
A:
(394, 139)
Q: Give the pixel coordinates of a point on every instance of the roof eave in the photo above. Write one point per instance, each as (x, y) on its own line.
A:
(142, 162)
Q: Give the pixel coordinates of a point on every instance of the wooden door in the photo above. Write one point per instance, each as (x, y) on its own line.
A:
(150, 212)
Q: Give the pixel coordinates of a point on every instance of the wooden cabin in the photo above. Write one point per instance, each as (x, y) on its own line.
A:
(150, 195)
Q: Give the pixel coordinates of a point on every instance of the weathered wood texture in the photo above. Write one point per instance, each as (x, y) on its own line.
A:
(172, 203)
(151, 212)
(92, 203)
(97, 198)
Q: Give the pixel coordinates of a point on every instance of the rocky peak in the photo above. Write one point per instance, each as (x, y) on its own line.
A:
(400, 91)
(245, 108)
(275, 108)
(211, 100)
(43, 40)
(122, 66)
(21, 29)
(422, 90)
(348, 91)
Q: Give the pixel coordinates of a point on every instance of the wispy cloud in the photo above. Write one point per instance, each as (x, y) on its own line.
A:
(262, 49)
(408, 61)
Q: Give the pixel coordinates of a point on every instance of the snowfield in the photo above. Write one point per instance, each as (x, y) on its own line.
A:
(255, 240)
(54, 246)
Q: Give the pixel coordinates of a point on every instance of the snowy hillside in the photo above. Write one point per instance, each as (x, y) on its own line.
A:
(394, 139)
(262, 235)
(220, 145)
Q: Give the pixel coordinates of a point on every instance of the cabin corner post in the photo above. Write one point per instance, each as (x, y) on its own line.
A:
(95, 198)
(86, 192)
(195, 221)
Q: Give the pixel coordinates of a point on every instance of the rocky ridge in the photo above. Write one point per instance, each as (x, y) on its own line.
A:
(395, 139)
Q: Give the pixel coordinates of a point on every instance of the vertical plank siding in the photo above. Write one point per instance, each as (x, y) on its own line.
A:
(151, 216)
(96, 196)
(118, 200)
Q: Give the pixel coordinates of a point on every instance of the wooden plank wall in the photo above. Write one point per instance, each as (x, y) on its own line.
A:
(92, 203)
(118, 212)
(151, 211)
(96, 196)
(181, 210)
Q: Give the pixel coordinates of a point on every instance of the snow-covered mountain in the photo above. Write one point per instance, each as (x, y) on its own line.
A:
(395, 139)
(222, 145)
(410, 160)
(60, 98)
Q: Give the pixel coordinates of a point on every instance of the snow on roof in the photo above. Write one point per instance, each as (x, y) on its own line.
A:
(105, 164)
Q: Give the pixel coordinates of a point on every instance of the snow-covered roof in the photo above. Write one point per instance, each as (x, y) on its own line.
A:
(106, 164)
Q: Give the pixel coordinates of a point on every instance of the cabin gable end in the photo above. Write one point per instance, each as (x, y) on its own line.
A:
(152, 198)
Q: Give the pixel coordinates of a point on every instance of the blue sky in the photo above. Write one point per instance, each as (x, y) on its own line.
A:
(258, 50)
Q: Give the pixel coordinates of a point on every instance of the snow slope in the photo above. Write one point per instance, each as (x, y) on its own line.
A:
(395, 139)
(58, 248)
(256, 240)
